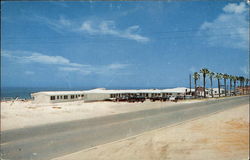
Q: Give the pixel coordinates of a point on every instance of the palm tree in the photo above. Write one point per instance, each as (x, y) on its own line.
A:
(247, 89)
(234, 78)
(211, 75)
(204, 72)
(225, 76)
(242, 79)
(218, 76)
(196, 76)
(231, 79)
(247, 80)
(237, 81)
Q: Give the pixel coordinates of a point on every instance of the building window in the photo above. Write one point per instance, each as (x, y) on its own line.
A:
(61, 97)
(72, 96)
(82, 95)
(65, 97)
(52, 97)
(57, 97)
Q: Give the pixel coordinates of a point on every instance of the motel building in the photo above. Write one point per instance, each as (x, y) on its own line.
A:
(57, 96)
(101, 94)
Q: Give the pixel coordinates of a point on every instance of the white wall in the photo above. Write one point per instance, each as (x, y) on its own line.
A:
(41, 98)
(96, 96)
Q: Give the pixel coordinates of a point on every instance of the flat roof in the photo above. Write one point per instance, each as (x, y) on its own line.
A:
(51, 93)
(103, 90)
(124, 91)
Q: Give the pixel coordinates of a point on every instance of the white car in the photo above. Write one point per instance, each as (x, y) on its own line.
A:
(172, 98)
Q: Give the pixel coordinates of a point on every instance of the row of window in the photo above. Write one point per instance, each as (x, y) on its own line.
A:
(140, 94)
(66, 97)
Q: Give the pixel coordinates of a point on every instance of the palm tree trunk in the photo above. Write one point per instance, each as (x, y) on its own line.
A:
(235, 87)
(219, 86)
(244, 86)
(225, 86)
(241, 84)
(230, 87)
(247, 87)
(204, 85)
(195, 90)
(211, 82)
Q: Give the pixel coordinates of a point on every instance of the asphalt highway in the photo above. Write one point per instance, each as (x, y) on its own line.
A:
(49, 141)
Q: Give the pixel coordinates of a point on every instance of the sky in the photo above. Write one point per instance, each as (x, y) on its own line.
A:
(121, 44)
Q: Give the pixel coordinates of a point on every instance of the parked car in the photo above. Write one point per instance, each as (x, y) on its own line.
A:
(121, 99)
(136, 99)
(172, 98)
(153, 99)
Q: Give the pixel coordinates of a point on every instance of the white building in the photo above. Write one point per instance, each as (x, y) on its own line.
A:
(57, 96)
(216, 92)
(101, 94)
(178, 91)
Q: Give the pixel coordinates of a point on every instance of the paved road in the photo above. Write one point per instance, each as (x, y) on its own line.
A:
(49, 141)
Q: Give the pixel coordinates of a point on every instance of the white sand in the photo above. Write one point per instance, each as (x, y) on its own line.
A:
(223, 136)
(24, 114)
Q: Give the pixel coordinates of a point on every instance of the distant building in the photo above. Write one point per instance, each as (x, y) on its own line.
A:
(243, 90)
(209, 91)
(216, 92)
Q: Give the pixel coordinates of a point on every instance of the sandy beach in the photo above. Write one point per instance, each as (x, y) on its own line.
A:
(223, 135)
(20, 114)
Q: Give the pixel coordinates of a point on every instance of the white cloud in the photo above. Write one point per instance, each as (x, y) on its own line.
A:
(61, 63)
(91, 27)
(109, 28)
(87, 26)
(81, 70)
(29, 72)
(34, 57)
(41, 58)
(59, 25)
(229, 29)
(117, 66)
(69, 69)
(65, 22)
(234, 8)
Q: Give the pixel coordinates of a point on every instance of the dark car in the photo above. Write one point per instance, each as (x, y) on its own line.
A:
(136, 99)
(121, 99)
(153, 99)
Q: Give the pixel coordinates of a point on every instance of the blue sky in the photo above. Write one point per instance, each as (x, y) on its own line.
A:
(121, 44)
